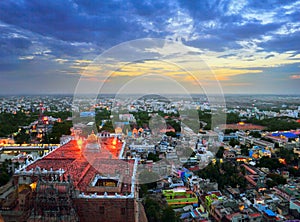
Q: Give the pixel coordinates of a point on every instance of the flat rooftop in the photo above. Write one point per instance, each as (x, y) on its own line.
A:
(84, 165)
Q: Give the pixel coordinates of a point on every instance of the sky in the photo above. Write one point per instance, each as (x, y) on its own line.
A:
(67, 46)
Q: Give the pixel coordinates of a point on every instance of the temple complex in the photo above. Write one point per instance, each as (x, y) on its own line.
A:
(83, 180)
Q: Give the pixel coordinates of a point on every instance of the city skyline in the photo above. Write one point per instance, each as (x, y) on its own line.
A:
(250, 47)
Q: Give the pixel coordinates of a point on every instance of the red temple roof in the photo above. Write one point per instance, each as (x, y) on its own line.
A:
(83, 165)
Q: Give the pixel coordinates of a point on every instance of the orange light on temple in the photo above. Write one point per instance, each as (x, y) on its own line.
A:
(79, 142)
(45, 118)
(114, 142)
(33, 186)
(281, 160)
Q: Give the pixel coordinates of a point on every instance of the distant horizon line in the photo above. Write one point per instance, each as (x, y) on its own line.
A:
(193, 94)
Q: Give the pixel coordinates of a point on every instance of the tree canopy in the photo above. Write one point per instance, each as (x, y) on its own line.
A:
(225, 174)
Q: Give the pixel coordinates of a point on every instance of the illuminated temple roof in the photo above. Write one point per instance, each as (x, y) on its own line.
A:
(83, 166)
(92, 138)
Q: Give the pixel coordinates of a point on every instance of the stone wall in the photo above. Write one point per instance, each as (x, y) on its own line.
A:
(105, 209)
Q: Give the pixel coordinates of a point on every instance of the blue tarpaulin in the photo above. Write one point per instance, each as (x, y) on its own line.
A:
(185, 215)
(286, 134)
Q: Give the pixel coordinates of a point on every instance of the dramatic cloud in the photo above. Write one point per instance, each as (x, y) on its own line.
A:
(239, 39)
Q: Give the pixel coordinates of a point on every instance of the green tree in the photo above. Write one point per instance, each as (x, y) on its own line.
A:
(5, 173)
(175, 124)
(108, 127)
(270, 163)
(58, 130)
(220, 152)
(233, 142)
(10, 123)
(168, 215)
(228, 131)
(63, 115)
(142, 118)
(152, 210)
(294, 172)
(152, 156)
(225, 174)
(288, 155)
(244, 150)
(4, 178)
(22, 137)
(172, 134)
(205, 116)
(276, 124)
(255, 134)
(102, 114)
(157, 213)
(232, 118)
(275, 179)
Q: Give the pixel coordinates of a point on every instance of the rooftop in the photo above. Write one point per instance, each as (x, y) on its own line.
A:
(84, 165)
